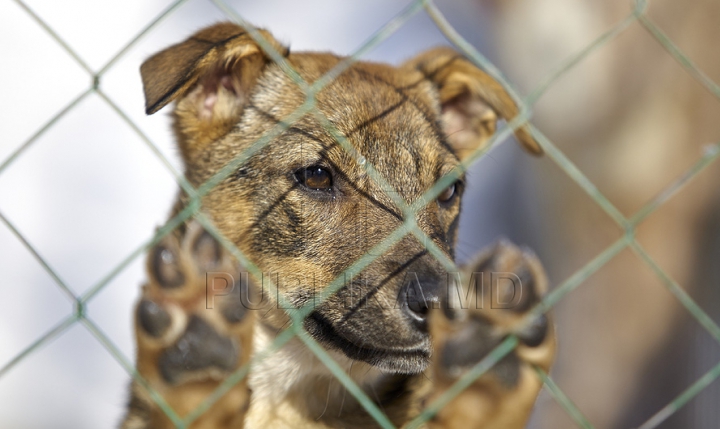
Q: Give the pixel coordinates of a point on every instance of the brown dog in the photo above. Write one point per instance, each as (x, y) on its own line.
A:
(303, 209)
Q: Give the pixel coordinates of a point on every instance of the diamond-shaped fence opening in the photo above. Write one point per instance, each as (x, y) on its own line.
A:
(81, 298)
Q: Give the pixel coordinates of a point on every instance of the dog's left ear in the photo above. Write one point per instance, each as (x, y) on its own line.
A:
(471, 101)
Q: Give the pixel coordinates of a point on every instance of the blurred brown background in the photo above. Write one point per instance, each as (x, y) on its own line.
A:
(633, 120)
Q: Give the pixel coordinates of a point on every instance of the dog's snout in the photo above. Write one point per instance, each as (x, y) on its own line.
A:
(418, 297)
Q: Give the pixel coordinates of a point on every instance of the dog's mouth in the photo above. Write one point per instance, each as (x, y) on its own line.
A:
(403, 360)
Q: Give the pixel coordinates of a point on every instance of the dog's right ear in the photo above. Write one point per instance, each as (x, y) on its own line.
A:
(211, 75)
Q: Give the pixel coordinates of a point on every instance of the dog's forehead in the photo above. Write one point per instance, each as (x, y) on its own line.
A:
(390, 115)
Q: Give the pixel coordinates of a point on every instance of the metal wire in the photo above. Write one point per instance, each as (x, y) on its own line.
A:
(409, 225)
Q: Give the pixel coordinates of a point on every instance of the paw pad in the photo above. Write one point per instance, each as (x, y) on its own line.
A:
(493, 301)
(152, 318)
(166, 266)
(190, 335)
(501, 286)
(199, 348)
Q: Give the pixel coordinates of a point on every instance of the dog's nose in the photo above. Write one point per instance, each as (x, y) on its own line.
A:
(419, 296)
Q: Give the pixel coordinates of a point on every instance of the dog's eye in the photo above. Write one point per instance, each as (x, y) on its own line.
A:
(315, 177)
(448, 194)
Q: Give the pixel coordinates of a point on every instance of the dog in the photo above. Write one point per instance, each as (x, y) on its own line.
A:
(303, 209)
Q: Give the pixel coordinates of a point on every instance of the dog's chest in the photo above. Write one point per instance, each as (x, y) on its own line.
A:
(292, 388)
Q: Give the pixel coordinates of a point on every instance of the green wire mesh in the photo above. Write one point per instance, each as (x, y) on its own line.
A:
(409, 226)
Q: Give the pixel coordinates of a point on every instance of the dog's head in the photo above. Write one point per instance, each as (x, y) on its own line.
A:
(302, 207)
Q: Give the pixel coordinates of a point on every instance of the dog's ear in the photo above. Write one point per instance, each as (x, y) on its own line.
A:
(211, 75)
(471, 101)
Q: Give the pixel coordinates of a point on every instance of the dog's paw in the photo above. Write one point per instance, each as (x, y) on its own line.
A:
(192, 331)
(496, 293)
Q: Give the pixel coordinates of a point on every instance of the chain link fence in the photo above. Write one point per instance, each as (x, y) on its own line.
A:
(636, 17)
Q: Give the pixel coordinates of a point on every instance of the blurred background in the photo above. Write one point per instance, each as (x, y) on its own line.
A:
(88, 190)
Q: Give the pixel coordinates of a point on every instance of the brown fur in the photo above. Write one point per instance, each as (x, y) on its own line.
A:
(414, 124)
